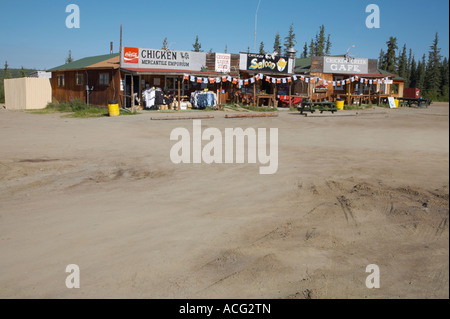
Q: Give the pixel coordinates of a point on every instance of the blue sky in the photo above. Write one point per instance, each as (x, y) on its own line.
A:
(34, 35)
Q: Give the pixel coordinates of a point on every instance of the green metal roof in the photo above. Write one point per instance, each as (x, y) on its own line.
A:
(383, 72)
(84, 63)
(302, 65)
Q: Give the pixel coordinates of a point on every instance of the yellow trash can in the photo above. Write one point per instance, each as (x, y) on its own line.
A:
(340, 104)
(113, 107)
(397, 102)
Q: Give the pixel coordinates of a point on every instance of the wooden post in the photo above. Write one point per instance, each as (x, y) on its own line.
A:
(132, 93)
(179, 95)
(254, 93)
(221, 90)
(349, 99)
(274, 93)
(290, 95)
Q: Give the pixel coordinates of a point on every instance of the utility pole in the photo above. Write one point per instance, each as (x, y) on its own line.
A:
(256, 24)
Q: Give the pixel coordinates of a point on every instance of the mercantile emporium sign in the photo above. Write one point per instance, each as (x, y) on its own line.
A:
(345, 65)
(139, 58)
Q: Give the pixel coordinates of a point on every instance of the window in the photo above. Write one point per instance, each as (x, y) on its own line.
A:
(172, 84)
(394, 88)
(79, 79)
(104, 79)
(339, 87)
(61, 81)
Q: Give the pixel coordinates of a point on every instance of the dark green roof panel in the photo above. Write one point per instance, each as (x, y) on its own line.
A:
(84, 63)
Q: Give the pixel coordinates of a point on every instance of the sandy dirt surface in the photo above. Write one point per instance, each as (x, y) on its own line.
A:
(352, 189)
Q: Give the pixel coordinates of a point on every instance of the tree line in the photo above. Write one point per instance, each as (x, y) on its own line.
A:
(429, 73)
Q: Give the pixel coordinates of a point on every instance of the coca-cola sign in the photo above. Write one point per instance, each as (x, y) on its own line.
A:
(131, 55)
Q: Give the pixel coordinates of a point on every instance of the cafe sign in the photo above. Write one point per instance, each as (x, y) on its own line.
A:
(345, 65)
(138, 58)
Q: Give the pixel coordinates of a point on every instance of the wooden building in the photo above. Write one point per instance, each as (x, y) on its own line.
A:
(93, 80)
(355, 80)
(265, 72)
(167, 69)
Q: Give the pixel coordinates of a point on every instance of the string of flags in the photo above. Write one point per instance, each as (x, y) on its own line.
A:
(286, 80)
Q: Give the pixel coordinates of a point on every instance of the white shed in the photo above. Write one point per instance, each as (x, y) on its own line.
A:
(27, 93)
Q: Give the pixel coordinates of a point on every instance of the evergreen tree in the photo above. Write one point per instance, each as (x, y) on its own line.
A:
(312, 49)
(320, 42)
(413, 74)
(261, 48)
(69, 57)
(390, 61)
(289, 41)
(328, 46)
(433, 73)
(421, 74)
(305, 51)
(165, 44)
(277, 43)
(197, 46)
(248, 49)
(403, 64)
(409, 69)
(381, 60)
(22, 73)
(6, 74)
(226, 48)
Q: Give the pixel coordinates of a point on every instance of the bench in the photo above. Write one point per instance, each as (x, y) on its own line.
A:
(405, 101)
(307, 106)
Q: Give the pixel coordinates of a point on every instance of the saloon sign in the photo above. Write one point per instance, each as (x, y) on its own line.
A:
(265, 63)
(162, 59)
(345, 65)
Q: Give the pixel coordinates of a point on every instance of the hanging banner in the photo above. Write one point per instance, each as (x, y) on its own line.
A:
(138, 58)
(265, 63)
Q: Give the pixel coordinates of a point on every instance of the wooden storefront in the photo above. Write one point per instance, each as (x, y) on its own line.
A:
(136, 80)
(358, 87)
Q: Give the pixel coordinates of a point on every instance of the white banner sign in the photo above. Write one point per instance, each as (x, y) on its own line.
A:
(223, 62)
(345, 65)
(138, 58)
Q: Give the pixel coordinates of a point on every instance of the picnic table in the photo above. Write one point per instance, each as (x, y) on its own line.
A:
(413, 101)
(308, 106)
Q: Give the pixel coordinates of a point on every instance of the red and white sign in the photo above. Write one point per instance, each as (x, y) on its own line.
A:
(223, 62)
(131, 55)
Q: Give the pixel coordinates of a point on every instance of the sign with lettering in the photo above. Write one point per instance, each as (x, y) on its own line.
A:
(265, 63)
(138, 58)
(345, 65)
(223, 62)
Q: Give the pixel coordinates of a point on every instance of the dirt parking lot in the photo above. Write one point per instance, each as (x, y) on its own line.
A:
(352, 189)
